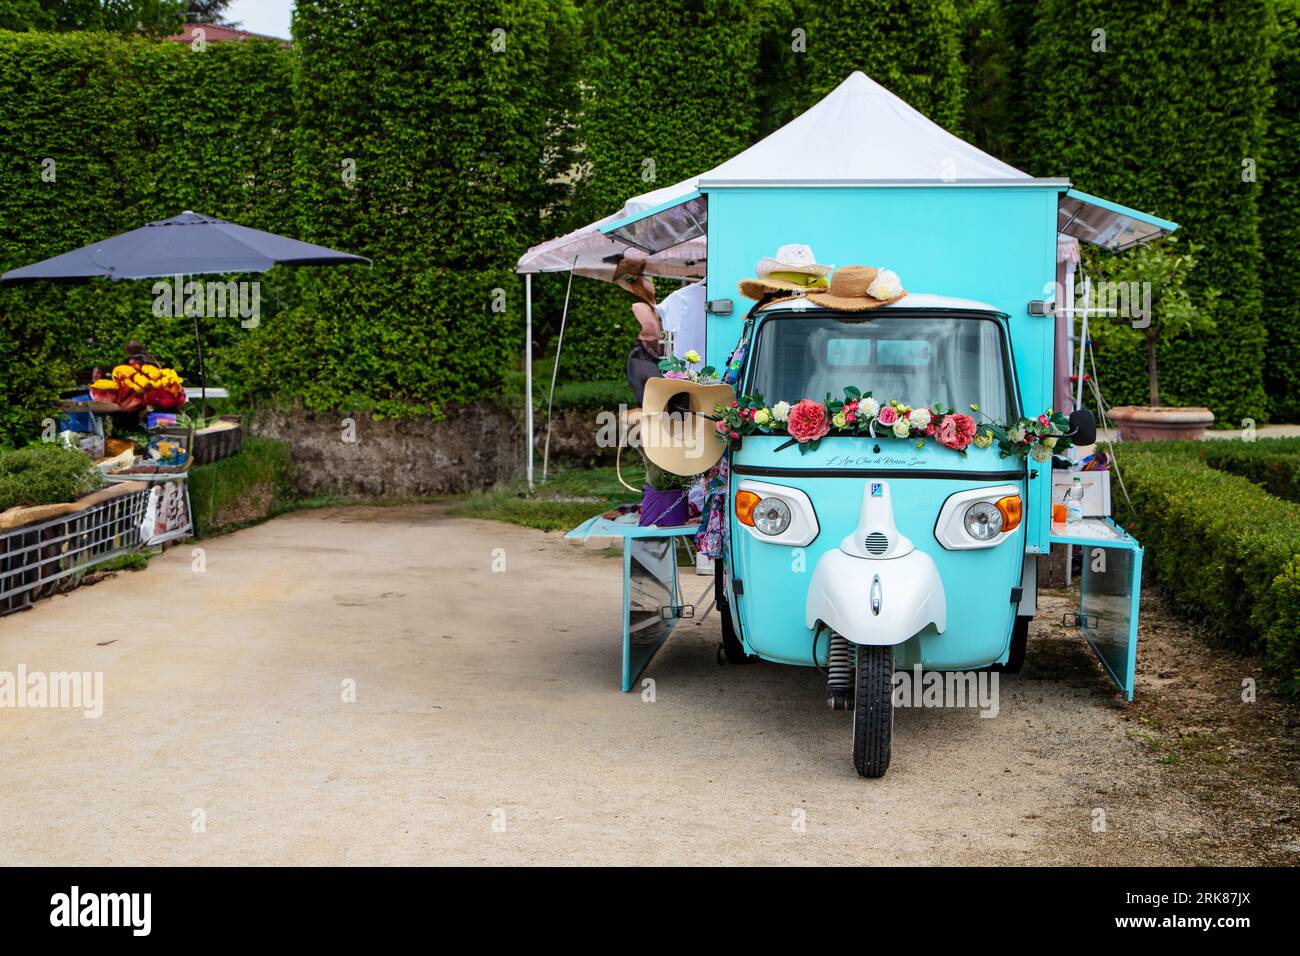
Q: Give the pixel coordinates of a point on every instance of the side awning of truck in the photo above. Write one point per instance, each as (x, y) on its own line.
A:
(1107, 224)
(663, 226)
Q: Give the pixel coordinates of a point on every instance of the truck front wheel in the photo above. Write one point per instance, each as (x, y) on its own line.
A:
(873, 711)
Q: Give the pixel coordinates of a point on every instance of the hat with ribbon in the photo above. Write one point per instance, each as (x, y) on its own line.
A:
(794, 268)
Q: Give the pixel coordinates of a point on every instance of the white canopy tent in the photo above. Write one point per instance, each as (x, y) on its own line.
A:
(859, 134)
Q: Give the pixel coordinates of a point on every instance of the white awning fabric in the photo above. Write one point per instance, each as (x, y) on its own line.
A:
(861, 133)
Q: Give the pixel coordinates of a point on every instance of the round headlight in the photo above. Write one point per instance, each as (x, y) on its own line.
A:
(983, 521)
(771, 516)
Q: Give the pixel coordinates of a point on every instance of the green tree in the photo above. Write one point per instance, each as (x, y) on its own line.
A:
(152, 17)
(1151, 280)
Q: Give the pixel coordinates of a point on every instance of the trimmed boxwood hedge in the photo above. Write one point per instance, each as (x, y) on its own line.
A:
(1226, 550)
(1271, 463)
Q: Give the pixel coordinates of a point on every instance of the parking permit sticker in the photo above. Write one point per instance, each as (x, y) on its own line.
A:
(877, 489)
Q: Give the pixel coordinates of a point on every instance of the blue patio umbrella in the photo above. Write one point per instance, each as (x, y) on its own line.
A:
(188, 244)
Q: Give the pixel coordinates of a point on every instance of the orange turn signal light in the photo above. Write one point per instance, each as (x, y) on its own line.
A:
(1011, 508)
(746, 502)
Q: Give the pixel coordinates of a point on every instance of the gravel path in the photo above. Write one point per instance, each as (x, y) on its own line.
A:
(487, 727)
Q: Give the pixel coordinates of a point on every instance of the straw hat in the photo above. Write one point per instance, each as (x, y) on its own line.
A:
(856, 288)
(794, 268)
(678, 430)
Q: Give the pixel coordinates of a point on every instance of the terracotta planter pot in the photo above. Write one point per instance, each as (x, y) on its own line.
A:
(1144, 423)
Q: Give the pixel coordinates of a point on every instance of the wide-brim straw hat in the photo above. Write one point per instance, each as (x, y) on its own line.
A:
(850, 290)
(682, 439)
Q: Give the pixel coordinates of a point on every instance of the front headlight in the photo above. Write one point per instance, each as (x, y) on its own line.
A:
(983, 521)
(772, 516)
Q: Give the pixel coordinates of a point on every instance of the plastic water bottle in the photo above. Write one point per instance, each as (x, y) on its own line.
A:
(1074, 501)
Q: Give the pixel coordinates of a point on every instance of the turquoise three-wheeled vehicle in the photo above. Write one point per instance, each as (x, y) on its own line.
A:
(867, 554)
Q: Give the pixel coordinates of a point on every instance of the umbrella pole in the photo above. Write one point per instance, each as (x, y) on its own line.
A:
(203, 375)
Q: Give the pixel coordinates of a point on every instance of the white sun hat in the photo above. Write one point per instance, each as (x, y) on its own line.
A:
(792, 257)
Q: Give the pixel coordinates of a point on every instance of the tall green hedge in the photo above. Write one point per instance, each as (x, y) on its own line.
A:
(670, 90)
(132, 131)
(1280, 225)
(456, 134)
(1162, 121)
(911, 47)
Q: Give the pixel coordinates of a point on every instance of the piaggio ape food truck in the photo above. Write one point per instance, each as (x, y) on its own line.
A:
(862, 552)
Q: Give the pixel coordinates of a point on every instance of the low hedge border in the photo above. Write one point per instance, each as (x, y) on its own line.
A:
(1271, 463)
(1226, 549)
(250, 486)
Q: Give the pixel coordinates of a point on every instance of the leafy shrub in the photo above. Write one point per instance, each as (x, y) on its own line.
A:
(45, 474)
(1226, 549)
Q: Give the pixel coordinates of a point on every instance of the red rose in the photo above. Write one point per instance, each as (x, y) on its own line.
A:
(956, 431)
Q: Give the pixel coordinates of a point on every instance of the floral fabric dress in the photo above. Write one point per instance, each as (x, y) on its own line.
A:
(711, 539)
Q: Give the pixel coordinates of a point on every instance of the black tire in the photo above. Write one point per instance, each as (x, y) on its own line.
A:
(1019, 644)
(732, 649)
(873, 711)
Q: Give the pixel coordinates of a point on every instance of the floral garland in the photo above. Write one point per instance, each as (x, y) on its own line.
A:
(807, 422)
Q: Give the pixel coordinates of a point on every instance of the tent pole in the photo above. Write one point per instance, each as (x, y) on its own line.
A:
(528, 369)
(555, 371)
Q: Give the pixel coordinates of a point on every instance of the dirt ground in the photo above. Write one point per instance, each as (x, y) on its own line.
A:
(488, 727)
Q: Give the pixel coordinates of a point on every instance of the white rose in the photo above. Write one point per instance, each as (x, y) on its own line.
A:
(886, 285)
(781, 411)
(902, 429)
(869, 407)
(1039, 453)
(920, 417)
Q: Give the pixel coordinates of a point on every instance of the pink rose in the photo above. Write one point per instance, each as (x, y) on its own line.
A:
(887, 415)
(808, 421)
(956, 431)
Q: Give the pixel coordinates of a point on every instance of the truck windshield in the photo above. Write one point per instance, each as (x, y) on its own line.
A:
(917, 360)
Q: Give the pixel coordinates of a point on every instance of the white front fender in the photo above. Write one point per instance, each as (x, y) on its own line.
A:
(874, 601)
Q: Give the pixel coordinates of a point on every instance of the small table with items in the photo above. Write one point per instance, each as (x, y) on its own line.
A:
(652, 599)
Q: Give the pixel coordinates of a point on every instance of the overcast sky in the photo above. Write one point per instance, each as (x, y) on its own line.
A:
(262, 16)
